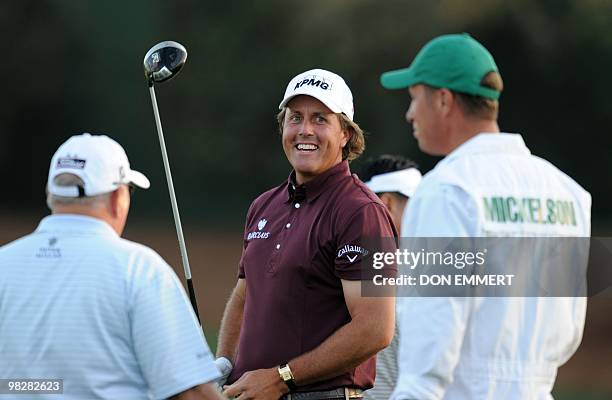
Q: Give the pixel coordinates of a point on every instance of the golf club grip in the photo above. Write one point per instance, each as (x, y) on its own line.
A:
(192, 298)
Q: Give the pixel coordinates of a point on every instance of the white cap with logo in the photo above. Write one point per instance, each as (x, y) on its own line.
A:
(404, 181)
(325, 86)
(98, 160)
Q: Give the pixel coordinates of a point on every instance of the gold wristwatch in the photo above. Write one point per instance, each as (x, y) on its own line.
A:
(287, 376)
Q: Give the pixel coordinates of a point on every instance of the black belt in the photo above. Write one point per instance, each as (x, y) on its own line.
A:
(335, 394)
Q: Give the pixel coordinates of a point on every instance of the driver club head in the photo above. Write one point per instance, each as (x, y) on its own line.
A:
(163, 61)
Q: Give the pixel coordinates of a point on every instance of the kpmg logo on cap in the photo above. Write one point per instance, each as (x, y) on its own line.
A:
(74, 163)
(315, 81)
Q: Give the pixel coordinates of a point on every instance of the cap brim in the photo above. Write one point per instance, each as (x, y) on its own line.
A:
(138, 179)
(404, 181)
(397, 79)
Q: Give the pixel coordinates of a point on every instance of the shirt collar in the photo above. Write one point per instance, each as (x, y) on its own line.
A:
(310, 190)
(487, 143)
(75, 224)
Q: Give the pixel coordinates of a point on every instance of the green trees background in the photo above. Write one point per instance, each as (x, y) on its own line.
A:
(74, 66)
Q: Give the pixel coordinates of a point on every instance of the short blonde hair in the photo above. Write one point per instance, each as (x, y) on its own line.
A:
(356, 143)
(479, 106)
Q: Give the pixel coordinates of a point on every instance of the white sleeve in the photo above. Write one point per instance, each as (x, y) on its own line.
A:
(168, 341)
(432, 328)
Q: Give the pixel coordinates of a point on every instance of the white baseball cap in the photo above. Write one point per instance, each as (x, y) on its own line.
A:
(98, 160)
(327, 87)
(404, 181)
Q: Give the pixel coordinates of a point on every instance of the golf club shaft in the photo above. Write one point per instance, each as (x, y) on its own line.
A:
(175, 211)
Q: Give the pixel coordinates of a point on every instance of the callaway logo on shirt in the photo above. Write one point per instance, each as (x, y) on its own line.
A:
(347, 249)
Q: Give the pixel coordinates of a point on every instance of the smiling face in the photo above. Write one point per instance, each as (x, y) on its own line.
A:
(312, 137)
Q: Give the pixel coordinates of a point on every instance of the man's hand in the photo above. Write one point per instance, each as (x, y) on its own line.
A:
(261, 384)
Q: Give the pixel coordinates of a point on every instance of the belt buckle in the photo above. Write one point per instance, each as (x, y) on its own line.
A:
(351, 393)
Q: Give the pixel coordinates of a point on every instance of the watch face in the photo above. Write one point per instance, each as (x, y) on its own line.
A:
(285, 373)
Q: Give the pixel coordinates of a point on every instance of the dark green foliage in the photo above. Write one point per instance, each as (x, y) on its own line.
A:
(76, 66)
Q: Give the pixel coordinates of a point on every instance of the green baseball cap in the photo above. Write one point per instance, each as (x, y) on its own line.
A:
(456, 62)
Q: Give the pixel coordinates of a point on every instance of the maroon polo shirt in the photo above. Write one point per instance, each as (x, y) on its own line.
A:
(299, 242)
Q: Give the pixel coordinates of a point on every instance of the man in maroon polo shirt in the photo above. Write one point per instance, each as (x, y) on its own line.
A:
(296, 323)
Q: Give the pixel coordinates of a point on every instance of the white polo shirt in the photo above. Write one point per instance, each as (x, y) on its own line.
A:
(488, 348)
(106, 315)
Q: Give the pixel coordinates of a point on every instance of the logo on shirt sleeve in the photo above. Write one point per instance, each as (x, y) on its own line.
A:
(352, 252)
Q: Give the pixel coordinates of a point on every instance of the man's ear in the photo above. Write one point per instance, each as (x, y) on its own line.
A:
(114, 203)
(120, 202)
(445, 100)
(347, 133)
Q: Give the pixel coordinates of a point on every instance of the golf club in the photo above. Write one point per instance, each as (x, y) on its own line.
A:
(161, 63)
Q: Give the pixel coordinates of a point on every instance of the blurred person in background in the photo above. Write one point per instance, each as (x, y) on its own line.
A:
(79, 303)
(296, 325)
(394, 179)
(480, 347)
